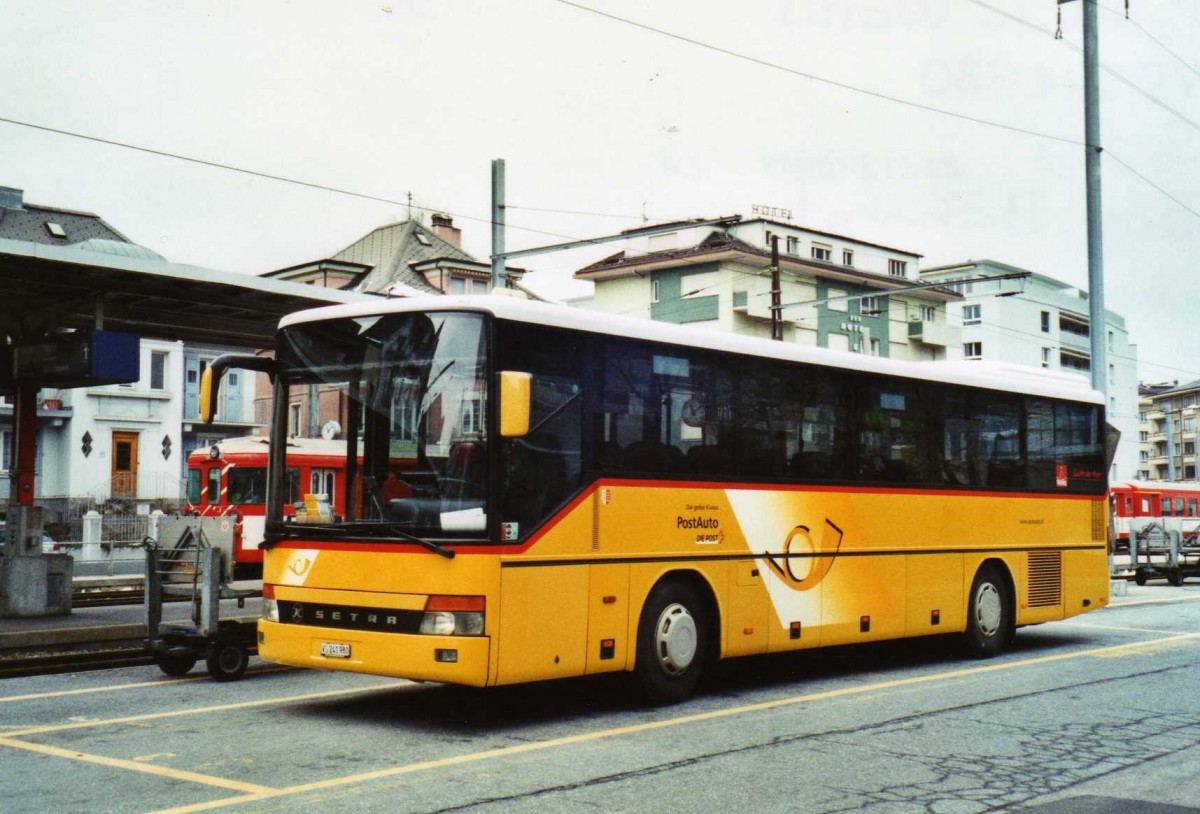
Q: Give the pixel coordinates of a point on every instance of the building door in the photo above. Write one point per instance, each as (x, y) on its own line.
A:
(124, 464)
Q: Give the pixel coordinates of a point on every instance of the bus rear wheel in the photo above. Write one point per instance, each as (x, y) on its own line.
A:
(672, 644)
(989, 614)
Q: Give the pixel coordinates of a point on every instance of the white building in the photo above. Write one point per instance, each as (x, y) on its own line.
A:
(836, 292)
(1042, 322)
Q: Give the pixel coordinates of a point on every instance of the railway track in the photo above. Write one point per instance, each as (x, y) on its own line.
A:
(97, 657)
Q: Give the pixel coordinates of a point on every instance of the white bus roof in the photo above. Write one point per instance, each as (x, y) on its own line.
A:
(990, 375)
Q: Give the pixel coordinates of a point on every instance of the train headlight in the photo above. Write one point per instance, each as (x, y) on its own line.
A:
(453, 616)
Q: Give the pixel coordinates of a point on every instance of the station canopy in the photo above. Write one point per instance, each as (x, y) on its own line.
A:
(44, 288)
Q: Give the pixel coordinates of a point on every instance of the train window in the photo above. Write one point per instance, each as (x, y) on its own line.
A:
(214, 485)
(291, 487)
(1165, 504)
(1191, 507)
(1178, 507)
(193, 486)
(247, 485)
(1145, 506)
(1128, 505)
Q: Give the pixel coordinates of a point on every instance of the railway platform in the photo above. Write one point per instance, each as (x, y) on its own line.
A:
(94, 636)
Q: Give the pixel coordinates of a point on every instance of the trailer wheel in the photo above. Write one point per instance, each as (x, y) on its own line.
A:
(1175, 578)
(1139, 576)
(672, 643)
(173, 664)
(226, 660)
(989, 614)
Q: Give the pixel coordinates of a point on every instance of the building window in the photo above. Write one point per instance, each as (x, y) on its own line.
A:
(158, 371)
(1144, 455)
(972, 350)
(793, 245)
(927, 312)
(847, 257)
(875, 347)
(822, 253)
(1046, 356)
(294, 419)
(870, 306)
(1112, 374)
(971, 314)
(897, 268)
(655, 290)
(1074, 361)
(770, 236)
(1045, 322)
(5, 451)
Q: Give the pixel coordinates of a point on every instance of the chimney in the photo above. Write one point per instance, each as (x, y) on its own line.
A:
(443, 227)
(12, 198)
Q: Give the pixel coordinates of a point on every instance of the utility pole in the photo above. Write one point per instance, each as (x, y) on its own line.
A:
(1098, 330)
(498, 273)
(776, 292)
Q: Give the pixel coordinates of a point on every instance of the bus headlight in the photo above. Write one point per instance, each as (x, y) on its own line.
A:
(453, 616)
(270, 608)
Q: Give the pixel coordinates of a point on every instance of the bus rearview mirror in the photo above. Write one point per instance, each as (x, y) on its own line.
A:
(514, 403)
(210, 380)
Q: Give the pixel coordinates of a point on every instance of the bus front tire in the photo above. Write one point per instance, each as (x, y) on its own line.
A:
(989, 614)
(673, 643)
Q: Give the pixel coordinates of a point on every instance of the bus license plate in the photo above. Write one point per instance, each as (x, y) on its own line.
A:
(335, 650)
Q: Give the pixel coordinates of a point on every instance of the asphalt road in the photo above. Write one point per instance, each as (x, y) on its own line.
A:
(1098, 714)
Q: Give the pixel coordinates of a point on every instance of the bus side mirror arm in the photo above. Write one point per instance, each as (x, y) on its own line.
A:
(210, 382)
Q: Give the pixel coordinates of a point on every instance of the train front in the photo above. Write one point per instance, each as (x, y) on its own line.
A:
(400, 581)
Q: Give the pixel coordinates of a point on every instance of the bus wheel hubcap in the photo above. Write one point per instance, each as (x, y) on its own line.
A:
(675, 639)
(988, 609)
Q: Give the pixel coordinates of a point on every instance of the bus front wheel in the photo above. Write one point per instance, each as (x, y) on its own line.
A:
(672, 643)
(989, 614)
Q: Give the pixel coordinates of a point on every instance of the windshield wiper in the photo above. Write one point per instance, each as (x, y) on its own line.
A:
(319, 529)
(399, 532)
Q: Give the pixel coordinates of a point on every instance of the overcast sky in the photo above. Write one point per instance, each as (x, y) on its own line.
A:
(603, 116)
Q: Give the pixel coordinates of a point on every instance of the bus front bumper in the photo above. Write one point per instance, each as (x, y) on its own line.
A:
(448, 659)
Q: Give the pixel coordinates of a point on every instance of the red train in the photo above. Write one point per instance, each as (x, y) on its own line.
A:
(1176, 505)
(229, 479)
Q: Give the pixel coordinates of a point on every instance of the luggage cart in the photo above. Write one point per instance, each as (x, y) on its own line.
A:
(197, 566)
(1156, 549)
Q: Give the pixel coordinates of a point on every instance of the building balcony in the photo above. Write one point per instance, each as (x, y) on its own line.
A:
(932, 333)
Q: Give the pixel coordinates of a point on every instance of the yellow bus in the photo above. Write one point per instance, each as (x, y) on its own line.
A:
(535, 492)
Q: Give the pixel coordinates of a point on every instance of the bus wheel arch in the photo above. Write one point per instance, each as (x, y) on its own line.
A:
(991, 610)
(678, 636)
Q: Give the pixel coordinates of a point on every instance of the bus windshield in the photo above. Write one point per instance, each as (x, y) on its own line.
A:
(408, 393)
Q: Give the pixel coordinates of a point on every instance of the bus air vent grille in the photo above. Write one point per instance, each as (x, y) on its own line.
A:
(1099, 516)
(1045, 579)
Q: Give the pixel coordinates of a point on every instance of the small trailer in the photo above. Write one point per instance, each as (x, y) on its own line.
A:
(193, 560)
(1159, 549)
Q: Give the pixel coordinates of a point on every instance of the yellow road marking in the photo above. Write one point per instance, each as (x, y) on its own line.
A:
(1162, 601)
(116, 687)
(587, 737)
(152, 716)
(1126, 629)
(144, 768)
